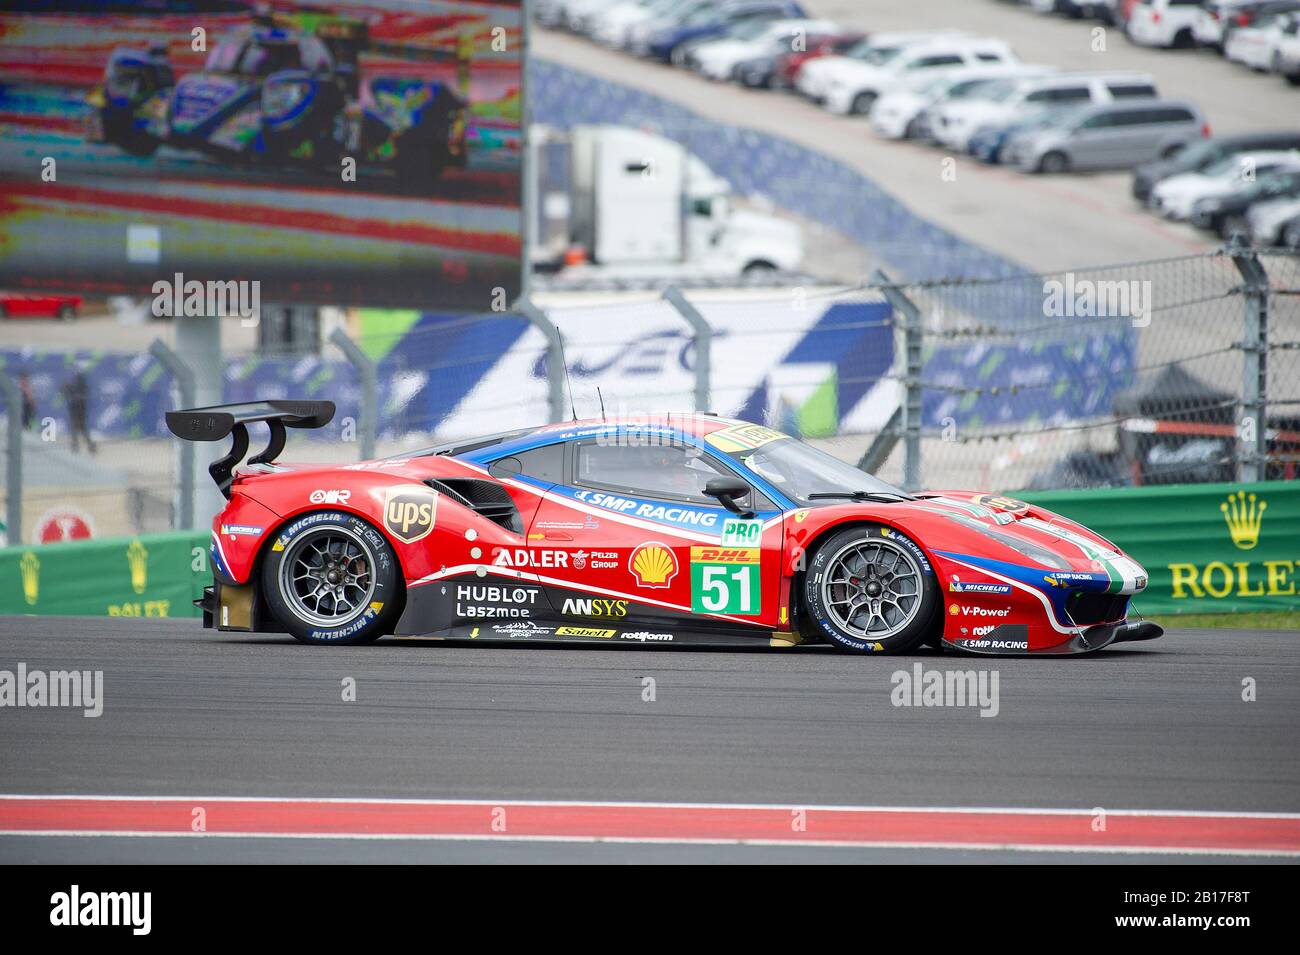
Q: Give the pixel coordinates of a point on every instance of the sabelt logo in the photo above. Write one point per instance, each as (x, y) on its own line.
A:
(653, 565)
(409, 512)
(582, 632)
(724, 555)
(594, 607)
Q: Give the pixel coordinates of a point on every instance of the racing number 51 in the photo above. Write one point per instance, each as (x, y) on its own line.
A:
(725, 581)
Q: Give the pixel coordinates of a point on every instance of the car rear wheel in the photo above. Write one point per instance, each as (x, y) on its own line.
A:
(871, 589)
(331, 577)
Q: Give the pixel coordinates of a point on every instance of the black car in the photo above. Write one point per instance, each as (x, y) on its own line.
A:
(1227, 214)
(1205, 153)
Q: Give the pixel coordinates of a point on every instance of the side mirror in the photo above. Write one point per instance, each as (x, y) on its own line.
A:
(728, 490)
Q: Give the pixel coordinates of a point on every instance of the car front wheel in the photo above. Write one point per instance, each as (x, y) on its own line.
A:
(331, 577)
(871, 589)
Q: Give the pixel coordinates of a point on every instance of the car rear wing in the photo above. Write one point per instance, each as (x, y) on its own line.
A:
(220, 421)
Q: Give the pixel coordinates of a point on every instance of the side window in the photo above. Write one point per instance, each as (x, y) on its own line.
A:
(545, 463)
(1070, 94)
(1142, 91)
(1100, 121)
(926, 62)
(989, 57)
(672, 472)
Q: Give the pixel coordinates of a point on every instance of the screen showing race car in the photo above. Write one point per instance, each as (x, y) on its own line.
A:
(365, 152)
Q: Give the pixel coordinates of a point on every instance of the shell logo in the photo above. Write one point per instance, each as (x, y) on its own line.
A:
(653, 565)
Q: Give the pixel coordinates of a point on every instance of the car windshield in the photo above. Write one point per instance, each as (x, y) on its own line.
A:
(798, 470)
(224, 55)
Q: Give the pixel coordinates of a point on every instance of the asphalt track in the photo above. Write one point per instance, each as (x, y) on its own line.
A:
(199, 715)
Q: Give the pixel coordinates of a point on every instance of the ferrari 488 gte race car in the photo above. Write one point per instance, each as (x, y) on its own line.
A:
(690, 529)
(283, 91)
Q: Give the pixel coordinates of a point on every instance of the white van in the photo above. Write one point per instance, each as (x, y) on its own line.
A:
(953, 124)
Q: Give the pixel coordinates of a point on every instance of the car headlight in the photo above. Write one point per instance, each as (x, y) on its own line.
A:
(280, 99)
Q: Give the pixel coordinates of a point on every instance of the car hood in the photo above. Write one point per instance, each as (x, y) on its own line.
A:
(1038, 543)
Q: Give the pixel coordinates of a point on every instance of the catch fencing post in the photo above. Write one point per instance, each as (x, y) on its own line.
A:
(1252, 424)
(912, 355)
(368, 374)
(703, 344)
(14, 465)
(555, 372)
(183, 375)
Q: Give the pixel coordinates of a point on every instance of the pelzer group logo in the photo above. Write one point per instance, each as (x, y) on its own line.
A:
(1243, 513)
(409, 512)
(653, 564)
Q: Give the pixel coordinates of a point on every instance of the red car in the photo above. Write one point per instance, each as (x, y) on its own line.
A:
(690, 529)
(19, 305)
(788, 64)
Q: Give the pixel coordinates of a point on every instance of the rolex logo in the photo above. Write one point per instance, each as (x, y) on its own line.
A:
(137, 559)
(30, 568)
(1243, 516)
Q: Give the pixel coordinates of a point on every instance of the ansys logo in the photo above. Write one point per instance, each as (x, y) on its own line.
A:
(137, 558)
(1243, 516)
(30, 568)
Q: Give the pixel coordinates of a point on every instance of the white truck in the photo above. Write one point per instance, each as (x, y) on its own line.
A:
(639, 206)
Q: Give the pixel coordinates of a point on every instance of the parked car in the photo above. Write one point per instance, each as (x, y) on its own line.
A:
(27, 305)
(613, 26)
(1217, 18)
(1256, 45)
(1291, 234)
(1167, 23)
(814, 78)
(1267, 219)
(789, 64)
(774, 67)
(894, 115)
(1286, 52)
(719, 58)
(954, 123)
(1108, 136)
(987, 142)
(1227, 214)
(855, 86)
(671, 43)
(1201, 155)
(1174, 197)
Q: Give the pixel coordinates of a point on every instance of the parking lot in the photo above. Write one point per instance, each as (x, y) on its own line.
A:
(1041, 222)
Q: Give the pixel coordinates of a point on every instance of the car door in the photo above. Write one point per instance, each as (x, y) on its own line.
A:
(633, 541)
(1092, 141)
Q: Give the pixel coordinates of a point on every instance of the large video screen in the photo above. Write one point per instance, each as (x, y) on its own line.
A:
(364, 152)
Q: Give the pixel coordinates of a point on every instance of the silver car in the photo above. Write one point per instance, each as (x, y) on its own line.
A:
(1107, 136)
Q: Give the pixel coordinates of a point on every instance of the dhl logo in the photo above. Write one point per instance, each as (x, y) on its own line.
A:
(724, 555)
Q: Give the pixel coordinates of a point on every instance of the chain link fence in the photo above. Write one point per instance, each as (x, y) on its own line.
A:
(1179, 370)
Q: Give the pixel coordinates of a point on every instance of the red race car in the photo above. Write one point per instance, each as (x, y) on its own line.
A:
(688, 529)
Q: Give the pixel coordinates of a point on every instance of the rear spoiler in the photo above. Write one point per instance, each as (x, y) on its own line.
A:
(220, 421)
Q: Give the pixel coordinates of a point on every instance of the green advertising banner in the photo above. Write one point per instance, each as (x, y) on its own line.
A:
(154, 575)
(1209, 548)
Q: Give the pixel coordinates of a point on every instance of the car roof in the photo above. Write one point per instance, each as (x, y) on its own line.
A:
(681, 425)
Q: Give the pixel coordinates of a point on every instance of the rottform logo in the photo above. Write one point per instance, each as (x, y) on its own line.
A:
(1243, 516)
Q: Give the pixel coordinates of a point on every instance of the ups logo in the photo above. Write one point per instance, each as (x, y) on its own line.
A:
(409, 512)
